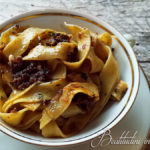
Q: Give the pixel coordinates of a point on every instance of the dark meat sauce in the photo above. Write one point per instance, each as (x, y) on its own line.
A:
(25, 73)
(83, 101)
(54, 38)
(72, 56)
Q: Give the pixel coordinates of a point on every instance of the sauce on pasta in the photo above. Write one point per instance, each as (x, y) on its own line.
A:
(55, 83)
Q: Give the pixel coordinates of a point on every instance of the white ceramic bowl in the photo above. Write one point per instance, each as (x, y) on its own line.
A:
(115, 111)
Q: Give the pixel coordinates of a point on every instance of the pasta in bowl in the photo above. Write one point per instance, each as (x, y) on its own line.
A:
(54, 83)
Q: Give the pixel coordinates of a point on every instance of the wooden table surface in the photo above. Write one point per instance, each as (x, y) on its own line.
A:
(127, 16)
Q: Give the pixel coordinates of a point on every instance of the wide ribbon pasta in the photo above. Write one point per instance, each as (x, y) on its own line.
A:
(41, 52)
(108, 82)
(66, 79)
(14, 118)
(62, 101)
(94, 63)
(52, 130)
(29, 119)
(11, 34)
(3, 96)
(35, 93)
(20, 44)
(82, 37)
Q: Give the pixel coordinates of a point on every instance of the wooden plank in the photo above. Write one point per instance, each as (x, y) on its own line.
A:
(146, 68)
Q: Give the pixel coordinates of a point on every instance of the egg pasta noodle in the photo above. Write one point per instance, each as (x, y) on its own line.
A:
(55, 83)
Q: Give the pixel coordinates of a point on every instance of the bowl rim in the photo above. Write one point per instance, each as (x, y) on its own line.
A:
(108, 28)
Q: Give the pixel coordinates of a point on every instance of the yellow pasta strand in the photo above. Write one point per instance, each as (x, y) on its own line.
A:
(20, 44)
(106, 38)
(29, 119)
(10, 34)
(107, 82)
(14, 95)
(59, 51)
(83, 39)
(94, 63)
(30, 106)
(3, 96)
(13, 118)
(52, 130)
(37, 93)
(119, 91)
(72, 110)
(59, 70)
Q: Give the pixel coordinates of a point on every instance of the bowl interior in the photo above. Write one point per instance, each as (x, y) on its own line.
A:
(113, 110)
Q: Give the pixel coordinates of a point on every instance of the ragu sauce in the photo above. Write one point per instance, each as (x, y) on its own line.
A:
(25, 73)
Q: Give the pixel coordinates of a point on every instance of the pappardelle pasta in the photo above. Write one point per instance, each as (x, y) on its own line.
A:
(55, 83)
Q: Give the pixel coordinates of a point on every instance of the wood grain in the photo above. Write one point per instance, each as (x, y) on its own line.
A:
(127, 16)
